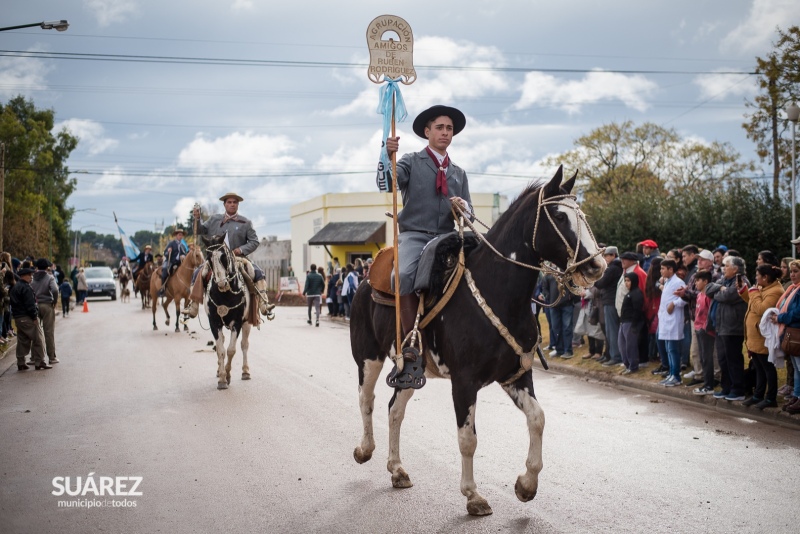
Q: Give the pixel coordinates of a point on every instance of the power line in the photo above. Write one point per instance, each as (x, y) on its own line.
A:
(125, 58)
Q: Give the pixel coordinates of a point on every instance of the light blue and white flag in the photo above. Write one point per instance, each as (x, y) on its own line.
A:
(131, 250)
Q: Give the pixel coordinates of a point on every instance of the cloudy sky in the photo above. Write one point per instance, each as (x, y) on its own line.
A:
(272, 100)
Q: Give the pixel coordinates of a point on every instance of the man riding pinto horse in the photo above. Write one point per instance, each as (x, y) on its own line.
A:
(242, 240)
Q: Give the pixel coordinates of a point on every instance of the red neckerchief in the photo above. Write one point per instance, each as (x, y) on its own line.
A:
(441, 176)
(227, 218)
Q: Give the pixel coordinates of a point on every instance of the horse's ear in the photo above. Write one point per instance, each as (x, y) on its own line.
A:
(205, 240)
(569, 184)
(553, 186)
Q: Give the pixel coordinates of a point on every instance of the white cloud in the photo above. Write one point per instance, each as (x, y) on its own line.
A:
(239, 161)
(755, 33)
(109, 12)
(22, 75)
(242, 5)
(438, 86)
(544, 90)
(723, 85)
(91, 134)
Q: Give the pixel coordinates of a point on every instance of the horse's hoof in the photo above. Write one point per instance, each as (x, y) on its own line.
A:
(363, 457)
(401, 480)
(523, 494)
(222, 385)
(478, 507)
(245, 376)
(228, 379)
(155, 327)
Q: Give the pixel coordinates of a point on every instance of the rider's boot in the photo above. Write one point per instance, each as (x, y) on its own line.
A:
(162, 290)
(264, 305)
(409, 305)
(196, 294)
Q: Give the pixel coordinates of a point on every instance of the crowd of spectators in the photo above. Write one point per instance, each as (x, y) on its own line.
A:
(29, 295)
(692, 317)
(339, 286)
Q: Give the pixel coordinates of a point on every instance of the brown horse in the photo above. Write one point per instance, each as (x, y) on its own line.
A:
(143, 283)
(178, 286)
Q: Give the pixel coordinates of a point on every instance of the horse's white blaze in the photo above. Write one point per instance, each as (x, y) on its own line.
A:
(366, 401)
(396, 415)
(529, 481)
(581, 228)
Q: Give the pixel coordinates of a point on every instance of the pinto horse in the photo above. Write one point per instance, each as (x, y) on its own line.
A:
(464, 344)
(227, 303)
(124, 276)
(178, 286)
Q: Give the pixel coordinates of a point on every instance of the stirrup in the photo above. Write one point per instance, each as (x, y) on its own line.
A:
(412, 376)
(191, 310)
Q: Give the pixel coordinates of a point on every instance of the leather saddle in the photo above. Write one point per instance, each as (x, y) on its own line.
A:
(436, 265)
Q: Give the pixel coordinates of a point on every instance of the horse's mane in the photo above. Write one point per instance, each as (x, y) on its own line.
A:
(506, 226)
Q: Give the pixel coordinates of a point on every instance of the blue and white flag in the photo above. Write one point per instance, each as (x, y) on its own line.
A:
(131, 250)
(387, 96)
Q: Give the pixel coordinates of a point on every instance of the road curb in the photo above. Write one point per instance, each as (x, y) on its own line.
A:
(774, 416)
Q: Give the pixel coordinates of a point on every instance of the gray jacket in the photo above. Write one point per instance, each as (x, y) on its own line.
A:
(424, 210)
(240, 233)
(44, 287)
(731, 309)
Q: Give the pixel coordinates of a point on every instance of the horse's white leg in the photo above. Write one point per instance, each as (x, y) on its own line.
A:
(397, 411)
(366, 401)
(245, 345)
(528, 482)
(231, 352)
(467, 443)
(220, 346)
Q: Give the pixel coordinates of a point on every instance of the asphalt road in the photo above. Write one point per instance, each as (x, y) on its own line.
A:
(274, 454)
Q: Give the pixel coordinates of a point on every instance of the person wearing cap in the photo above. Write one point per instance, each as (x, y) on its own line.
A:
(649, 250)
(608, 293)
(30, 337)
(796, 243)
(173, 256)
(429, 182)
(45, 289)
(242, 241)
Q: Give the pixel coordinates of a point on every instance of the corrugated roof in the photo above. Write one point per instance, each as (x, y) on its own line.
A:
(350, 233)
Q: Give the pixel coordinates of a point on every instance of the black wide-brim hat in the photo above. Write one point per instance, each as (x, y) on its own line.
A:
(422, 120)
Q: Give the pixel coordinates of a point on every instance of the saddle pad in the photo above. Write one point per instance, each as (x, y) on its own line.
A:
(380, 274)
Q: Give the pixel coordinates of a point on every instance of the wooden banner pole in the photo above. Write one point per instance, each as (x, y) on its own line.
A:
(398, 323)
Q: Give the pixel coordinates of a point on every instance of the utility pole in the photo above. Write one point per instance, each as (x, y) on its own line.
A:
(2, 189)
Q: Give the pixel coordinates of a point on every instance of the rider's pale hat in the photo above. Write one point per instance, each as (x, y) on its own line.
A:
(422, 120)
(231, 195)
(147, 246)
(178, 229)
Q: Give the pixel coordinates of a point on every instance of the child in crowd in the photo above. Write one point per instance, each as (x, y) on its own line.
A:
(704, 333)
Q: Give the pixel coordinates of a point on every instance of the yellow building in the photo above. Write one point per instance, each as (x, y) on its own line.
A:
(354, 225)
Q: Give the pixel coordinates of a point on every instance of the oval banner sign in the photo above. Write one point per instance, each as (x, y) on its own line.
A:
(390, 58)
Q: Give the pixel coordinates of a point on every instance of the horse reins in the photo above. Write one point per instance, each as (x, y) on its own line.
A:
(563, 278)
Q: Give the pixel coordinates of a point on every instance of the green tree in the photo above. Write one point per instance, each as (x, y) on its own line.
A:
(37, 183)
(646, 182)
(779, 85)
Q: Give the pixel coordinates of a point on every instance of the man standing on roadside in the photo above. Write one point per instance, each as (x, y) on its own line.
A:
(315, 287)
(26, 316)
(45, 289)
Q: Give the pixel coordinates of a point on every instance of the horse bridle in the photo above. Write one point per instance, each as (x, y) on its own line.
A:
(231, 273)
(563, 278)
